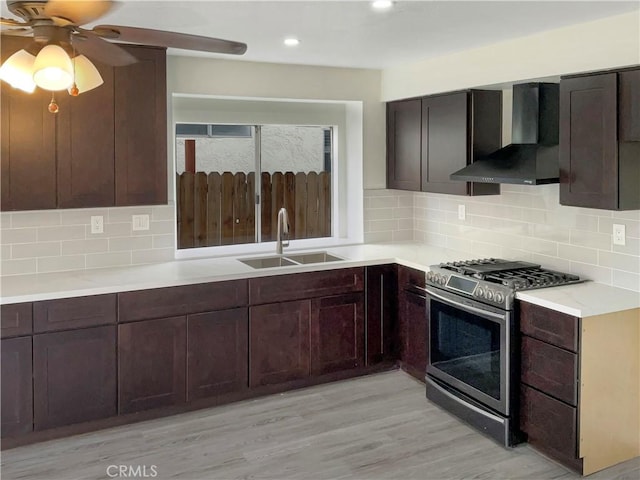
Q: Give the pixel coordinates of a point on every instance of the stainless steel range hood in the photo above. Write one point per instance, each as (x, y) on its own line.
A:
(532, 158)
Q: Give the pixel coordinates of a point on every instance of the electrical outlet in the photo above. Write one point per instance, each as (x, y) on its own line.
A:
(619, 234)
(462, 213)
(140, 222)
(97, 224)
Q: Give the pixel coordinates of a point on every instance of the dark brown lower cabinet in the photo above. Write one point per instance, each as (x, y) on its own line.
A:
(217, 353)
(550, 424)
(17, 392)
(152, 364)
(414, 351)
(337, 333)
(381, 302)
(74, 376)
(279, 342)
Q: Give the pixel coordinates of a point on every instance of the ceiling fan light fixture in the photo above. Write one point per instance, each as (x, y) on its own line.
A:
(86, 77)
(52, 69)
(17, 71)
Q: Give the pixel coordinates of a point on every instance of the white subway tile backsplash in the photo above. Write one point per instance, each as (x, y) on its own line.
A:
(18, 267)
(66, 232)
(111, 259)
(119, 244)
(383, 225)
(379, 214)
(525, 223)
(35, 219)
(18, 235)
(375, 237)
(34, 250)
(61, 240)
(61, 264)
(402, 236)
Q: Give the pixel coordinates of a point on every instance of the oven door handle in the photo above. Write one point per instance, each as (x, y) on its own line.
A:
(468, 308)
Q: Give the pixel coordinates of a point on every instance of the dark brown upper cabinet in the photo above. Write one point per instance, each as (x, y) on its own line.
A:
(141, 128)
(600, 140)
(449, 132)
(403, 144)
(106, 147)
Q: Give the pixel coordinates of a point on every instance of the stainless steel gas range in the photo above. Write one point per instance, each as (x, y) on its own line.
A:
(472, 367)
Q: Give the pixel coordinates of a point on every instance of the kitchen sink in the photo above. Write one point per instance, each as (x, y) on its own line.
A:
(268, 262)
(288, 260)
(314, 257)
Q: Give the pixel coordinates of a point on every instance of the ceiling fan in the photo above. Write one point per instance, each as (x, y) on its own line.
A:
(58, 57)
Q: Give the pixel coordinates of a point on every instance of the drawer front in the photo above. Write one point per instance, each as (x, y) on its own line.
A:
(410, 276)
(550, 369)
(305, 285)
(79, 312)
(550, 424)
(549, 326)
(16, 320)
(177, 301)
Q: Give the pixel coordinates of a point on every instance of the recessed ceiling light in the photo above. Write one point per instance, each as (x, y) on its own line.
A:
(382, 4)
(291, 41)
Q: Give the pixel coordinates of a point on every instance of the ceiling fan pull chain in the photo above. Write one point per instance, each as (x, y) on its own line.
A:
(73, 90)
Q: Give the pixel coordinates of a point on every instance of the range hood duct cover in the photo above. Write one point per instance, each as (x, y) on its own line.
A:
(532, 158)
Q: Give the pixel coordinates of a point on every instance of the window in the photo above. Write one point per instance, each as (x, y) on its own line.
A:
(231, 182)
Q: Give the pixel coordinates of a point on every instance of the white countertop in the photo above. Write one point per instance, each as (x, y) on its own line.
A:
(581, 300)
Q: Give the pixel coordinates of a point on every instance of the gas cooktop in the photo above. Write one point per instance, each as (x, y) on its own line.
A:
(493, 280)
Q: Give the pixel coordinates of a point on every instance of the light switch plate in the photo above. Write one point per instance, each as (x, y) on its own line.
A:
(140, 222)
(97, 224)
(462, 212)
(619, 234)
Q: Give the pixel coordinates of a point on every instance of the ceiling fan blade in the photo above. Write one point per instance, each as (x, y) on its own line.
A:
(17, 32)
(92, 46)
(9, 22)
(78, 12)
(163, 38)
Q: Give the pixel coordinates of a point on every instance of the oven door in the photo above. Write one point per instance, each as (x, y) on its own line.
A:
(469, 344)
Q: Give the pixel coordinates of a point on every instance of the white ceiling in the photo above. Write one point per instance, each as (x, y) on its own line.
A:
(349, 33)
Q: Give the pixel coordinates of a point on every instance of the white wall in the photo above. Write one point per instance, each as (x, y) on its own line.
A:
(608, 43)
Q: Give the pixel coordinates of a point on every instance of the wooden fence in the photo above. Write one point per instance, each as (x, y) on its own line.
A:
(219, 209)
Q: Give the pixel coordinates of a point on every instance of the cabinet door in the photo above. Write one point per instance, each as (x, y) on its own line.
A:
(403, 144)
(381, 298)
(74, 376)
(337, 333)
(85, 144)
(279, 342)
(629, 106)
(217, 353)
(414, 347)
(16, 319)
(17, 393)
(28, 155)
(152, 364)
(445, 143)
(141, 129)
(589, 141)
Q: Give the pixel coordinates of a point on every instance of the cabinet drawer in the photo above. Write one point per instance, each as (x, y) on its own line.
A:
(549, 326)
(79, 312)
(16, 320)
(305, 285)
(550, 369)
(550, 424)
(176, 301)
(408, 277)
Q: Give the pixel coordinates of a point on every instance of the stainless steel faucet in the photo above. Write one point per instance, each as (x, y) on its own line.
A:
(283, 230)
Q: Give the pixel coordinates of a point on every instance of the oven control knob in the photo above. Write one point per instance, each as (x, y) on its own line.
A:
(499, 297)
(489, 295)
(430, 276)
(443, 280)
(479, 292)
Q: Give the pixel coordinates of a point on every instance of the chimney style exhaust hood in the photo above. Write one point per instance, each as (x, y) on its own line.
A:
(532, 158)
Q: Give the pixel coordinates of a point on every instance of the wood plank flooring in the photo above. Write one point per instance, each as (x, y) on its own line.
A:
(375, 427)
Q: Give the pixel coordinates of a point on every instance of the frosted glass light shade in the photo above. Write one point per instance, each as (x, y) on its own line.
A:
(52, 69)
(87, 75)
(17, 71)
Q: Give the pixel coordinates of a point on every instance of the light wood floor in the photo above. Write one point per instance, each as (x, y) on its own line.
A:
(375, 427)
